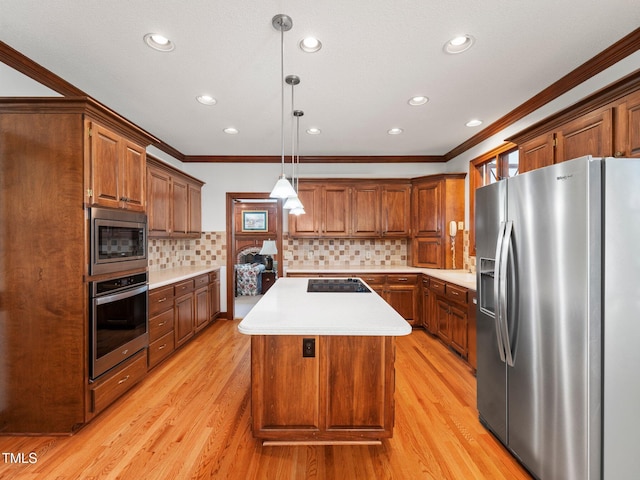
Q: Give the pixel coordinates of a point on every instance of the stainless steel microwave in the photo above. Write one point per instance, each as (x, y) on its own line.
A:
(118, 241)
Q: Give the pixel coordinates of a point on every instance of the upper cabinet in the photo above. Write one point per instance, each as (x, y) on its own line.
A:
(437, 200)
(352, 208)
(174, 202)
(117, 167)
(606, 124)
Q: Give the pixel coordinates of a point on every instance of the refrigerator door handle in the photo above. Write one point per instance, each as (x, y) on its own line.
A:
(504, 252)
(496, 291)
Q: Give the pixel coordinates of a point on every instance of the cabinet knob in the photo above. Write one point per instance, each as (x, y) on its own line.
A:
(618, 154)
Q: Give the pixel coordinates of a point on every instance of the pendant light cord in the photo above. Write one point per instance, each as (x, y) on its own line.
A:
(282, 92)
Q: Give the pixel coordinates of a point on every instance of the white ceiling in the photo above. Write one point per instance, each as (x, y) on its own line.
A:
(376, 55)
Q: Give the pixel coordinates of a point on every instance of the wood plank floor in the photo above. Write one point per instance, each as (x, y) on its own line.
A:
(190, 419)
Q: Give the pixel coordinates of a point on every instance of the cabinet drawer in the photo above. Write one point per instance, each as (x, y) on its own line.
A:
(437, 286)
(160, 324)
(108, 390)
(161, 349)
(183, 287)
(455, 293)
(213, 276)
(373, 279)
(160, 299)
(425, 281)
(399, 279)
(201, 280)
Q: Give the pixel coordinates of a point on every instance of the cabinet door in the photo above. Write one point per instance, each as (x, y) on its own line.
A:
(183, 324)
(396, 208)
(202, 301)
(214, 295)
(336, 211)
(158, 208)
(588, 135)
(427, 252)
(365, 201)
(628, 129)
(132, 176)
(442, 317)
(424, 309)
(307, 225)
(180, 199)
(403, 300)
(195, 209)
(105, 166)
(458, 321)
(537, 153)
(427, 207)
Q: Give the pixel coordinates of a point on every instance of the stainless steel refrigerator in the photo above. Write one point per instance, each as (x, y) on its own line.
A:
(558, 324)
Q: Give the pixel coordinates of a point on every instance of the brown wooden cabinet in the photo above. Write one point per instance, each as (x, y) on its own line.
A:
(344, 392)
(428, 307)
(117, 167)
(45, 186)
(627, 131)
(337, 208)
(202, 302)
(184, 312)
(214, 294)
(436, 200)
(401, 292)
(449, 313)
(161, 332)
(174, 202)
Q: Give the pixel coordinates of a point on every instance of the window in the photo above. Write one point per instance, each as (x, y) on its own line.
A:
(500, 163)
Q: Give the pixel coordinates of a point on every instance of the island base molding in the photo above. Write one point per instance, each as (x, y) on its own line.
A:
(344, 393)
(285, 443)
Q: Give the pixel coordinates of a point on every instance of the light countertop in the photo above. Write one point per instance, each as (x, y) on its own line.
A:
(459, 277)
(160, 278)
(288, 309)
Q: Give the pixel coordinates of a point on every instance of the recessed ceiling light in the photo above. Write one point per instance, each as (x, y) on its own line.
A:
(473, 123)
(310, 44)
(459, 44)
(417, 101)
(231, 131)
(206, 99)
(314, 131)
(395, 131)
(159, 42)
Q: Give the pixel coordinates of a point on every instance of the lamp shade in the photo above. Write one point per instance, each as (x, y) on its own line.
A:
(268, 248)
(282, 189)
(292, 202)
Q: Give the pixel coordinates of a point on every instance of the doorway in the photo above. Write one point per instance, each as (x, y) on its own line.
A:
(252, 218)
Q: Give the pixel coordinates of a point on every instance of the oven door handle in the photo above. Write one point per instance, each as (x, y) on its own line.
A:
(121, 295)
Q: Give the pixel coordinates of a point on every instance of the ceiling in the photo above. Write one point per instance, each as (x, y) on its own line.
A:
(376, 55)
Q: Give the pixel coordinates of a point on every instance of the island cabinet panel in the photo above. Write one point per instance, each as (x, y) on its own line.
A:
(343, 393)
(285, 384)
(358, 400)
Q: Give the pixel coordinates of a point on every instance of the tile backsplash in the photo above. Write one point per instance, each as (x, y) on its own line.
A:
(211, 249)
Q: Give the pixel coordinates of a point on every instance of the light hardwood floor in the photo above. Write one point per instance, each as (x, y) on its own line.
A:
(190, 418)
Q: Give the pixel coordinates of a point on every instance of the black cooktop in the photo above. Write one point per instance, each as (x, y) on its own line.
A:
(348, 285)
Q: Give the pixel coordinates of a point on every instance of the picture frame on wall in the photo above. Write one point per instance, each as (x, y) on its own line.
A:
(255, 221)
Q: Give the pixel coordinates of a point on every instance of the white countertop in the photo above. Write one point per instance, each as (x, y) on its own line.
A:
(160, 278)
(459, 277)
(288, 309)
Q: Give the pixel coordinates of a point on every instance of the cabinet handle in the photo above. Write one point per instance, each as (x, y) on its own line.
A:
(162, 347)
(161, 324)
(618, 154)
(454, 293)
(403, 279)
(162, 300)
(123, 380)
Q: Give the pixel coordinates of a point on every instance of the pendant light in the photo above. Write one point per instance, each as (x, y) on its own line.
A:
(282, 188)
(293, 202)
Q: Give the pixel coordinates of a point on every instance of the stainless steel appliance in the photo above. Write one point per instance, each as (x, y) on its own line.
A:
(118, 241)
(349, 285)
(558, 320)
(119, 324)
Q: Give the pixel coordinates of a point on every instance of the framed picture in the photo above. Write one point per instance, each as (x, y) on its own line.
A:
(255, 221)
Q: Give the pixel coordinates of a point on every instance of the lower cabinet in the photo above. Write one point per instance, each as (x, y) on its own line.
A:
(115, 383)
(180, 310)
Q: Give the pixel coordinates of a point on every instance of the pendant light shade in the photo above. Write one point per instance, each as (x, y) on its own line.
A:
(292, 202)
(282, 188)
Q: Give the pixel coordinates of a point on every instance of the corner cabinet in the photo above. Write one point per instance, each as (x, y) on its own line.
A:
(174, 202)
(436, 201)
(50, 165)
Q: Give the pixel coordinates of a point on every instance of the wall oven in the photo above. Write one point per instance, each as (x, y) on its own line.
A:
(118, 325)
(118, 241)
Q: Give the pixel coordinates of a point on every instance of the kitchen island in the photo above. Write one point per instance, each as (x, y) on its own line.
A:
(322, 365)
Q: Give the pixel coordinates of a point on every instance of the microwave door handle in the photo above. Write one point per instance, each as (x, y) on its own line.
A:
(496, 292)
(121, 295)
(503, 292)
